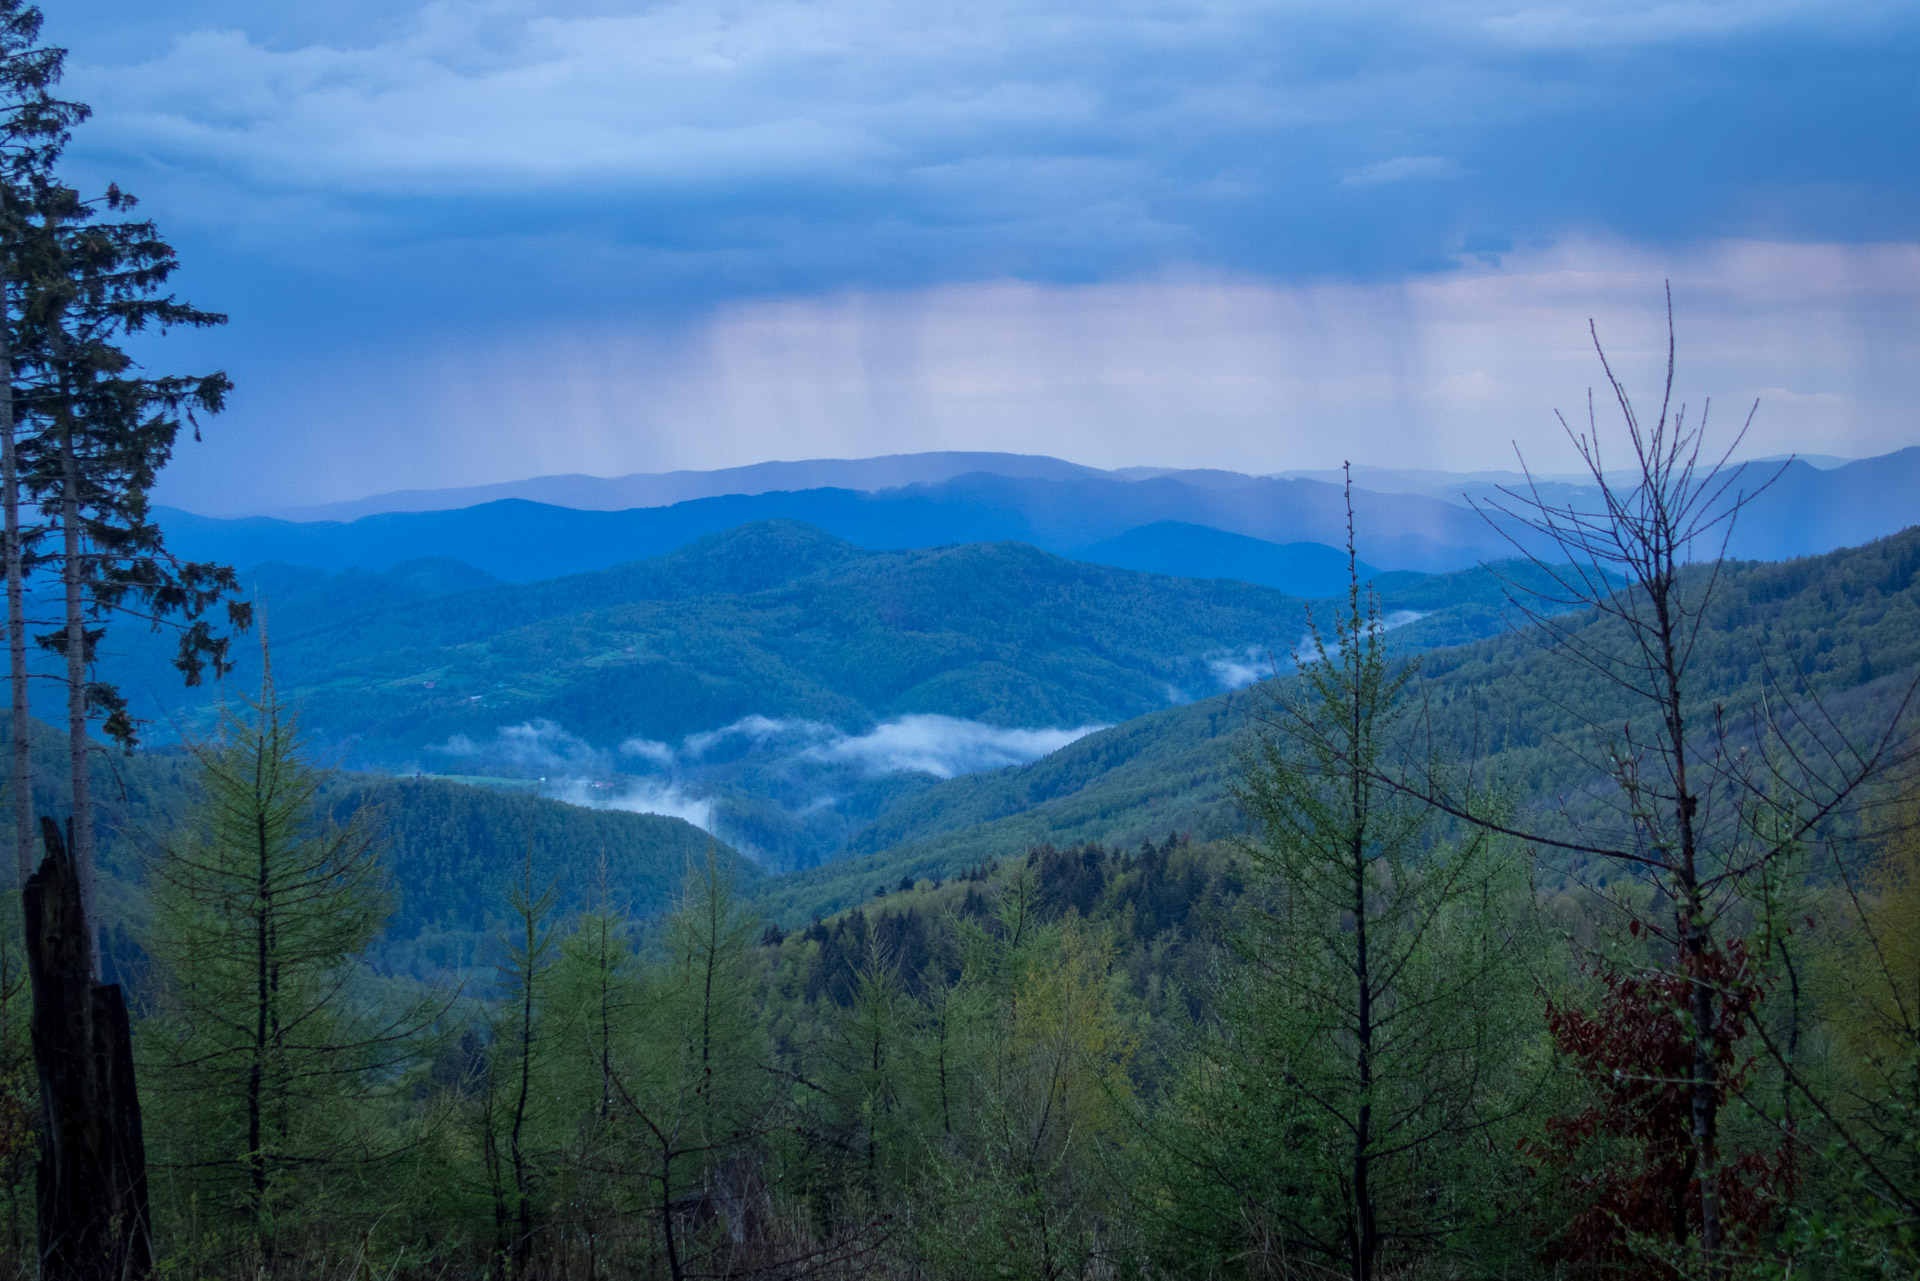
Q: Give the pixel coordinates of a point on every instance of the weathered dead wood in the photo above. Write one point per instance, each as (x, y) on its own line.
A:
(93, 1216)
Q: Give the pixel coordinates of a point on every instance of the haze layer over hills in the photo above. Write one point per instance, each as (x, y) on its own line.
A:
(1142, 518)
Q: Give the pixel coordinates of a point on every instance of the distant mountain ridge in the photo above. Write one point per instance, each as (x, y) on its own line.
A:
(519, 540)
(1137, 518)
(663, 489)
(892, 471)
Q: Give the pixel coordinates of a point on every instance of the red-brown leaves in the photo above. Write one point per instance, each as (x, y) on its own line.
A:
(1630, 1154)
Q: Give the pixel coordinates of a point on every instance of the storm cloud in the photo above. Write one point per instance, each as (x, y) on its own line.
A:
(484, 241)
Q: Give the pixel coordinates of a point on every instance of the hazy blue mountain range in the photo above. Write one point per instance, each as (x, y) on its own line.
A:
(662, 489)
(520, 540)
(1510, 703)
(889, 471)
(1459, 486)
(1127, 519)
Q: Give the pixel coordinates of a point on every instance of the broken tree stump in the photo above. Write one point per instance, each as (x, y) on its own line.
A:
(93, 1218)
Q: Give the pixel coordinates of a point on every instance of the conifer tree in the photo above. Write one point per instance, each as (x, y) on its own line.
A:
(871, 1076)
(1023, 1178)
(102, 430)
(697, 1096)
(598, 1004)
(33, 131)
(1367, 1032)
(33, 127)
(266, 1055)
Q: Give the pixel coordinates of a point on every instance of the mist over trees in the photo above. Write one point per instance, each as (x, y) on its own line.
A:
(1642, 1002)
(1417, 1020)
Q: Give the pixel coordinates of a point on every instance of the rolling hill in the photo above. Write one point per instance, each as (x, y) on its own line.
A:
(1849, 621)
(451, 853)
(1199, 551)
(772, 679)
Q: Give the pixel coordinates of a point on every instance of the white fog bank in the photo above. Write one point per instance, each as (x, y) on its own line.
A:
(945, 746)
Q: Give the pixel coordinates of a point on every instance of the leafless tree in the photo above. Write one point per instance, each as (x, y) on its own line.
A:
(1702, 800)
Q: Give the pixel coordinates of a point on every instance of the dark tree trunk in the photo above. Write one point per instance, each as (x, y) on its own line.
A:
(93, 1219)
(73, 572)
(22, 749)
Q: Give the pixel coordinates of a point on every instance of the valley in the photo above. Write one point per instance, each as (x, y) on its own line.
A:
(845, 717)
(881, 781)
(677, 641)
(772, 681)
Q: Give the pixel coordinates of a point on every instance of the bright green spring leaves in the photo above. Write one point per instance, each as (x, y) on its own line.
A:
(1354, 1104)
(268, 1059)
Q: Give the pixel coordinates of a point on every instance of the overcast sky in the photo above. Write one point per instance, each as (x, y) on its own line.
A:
(466, 242)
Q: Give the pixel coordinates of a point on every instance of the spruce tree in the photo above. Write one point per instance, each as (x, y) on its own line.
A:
(103, 429)
(33, 130)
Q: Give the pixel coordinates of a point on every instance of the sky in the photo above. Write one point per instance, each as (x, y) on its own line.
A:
(471, 242)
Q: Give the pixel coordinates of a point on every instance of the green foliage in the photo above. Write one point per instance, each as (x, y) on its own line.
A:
(1024, 1177)
(996, 1046)
(1847, 623)
(456, 853)
(1365, 1064)
(267, 1052)
(780, 619)
(452, 852)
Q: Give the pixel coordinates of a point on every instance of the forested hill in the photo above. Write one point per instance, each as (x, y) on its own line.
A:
(1849, 621)
(781, 620)
(452, 854)
(457, 853)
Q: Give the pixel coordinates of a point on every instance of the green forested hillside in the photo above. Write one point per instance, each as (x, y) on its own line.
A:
(1849, 622)
(793, 638)
(814, 627)
(1149, 778)
(721, 681)
(1023, 1016)
(782, 620)
(451, 852)
(1002, 634)
(455, 852)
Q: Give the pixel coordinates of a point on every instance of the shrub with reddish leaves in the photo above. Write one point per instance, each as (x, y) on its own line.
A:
(1629, 1155)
